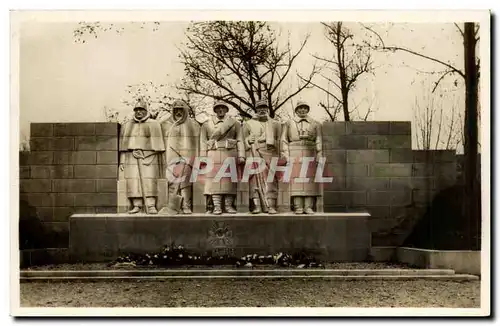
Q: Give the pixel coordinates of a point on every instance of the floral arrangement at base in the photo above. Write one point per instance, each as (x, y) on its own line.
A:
(175, 256)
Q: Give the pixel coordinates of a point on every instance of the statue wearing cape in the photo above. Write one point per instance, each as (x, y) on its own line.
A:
(144, 135)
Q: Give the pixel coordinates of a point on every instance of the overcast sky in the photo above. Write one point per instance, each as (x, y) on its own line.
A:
(64, 81)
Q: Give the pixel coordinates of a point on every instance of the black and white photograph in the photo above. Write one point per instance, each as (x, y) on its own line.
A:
(332, 163)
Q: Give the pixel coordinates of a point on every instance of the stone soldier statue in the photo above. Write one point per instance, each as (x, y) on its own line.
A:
(221, 138)
(301, 137)
(181, 138)
(262, 136)
(141, 146)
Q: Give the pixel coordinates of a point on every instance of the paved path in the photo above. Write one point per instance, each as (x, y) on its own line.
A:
(252, 293)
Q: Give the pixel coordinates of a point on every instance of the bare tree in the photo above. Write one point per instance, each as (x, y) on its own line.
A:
(159, 100)
(240, 62)
(435, 127)
(349, 62)
(470, 75)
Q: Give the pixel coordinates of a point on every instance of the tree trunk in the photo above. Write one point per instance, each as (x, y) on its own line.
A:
(472, 202)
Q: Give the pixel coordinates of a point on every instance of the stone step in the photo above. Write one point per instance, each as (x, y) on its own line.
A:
(159, 275)
(234, 272)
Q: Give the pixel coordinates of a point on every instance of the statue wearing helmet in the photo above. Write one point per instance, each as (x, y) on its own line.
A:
(262, 137)
(141, 146)
(301, 137)
(221, 138)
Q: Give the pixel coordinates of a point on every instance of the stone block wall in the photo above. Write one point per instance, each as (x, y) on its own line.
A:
(375, 170)
(70, 168)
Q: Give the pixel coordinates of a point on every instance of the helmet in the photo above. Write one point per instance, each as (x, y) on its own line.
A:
(220, 103)
(260, 103)
(301, 104)
(141, 104)
(179, 104)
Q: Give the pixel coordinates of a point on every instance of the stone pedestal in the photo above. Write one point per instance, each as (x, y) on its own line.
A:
(331, 236)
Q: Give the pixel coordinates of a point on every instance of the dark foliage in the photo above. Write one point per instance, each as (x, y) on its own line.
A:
(172, 256)
(445, 226)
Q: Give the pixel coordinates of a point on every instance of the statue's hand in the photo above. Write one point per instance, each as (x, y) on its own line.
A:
(241, 160)
(121, 166)
(210, 143)
(318, 157)
(251, 139)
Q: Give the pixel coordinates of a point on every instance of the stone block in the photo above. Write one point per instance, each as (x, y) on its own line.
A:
(37, 199)
(423, 156)
(356, 170)
(368, 156)
(85, 143)
(107, 143)
(51, 171)
(422, 183)
(40, 158)
(107, 129)
(367, 183)
(95, 199)
(107, 185)
(379, 212)
(391, 170)
(389, 142)
(367, 128)
(107, 157)
(58, 233)
(41, 130)
(401, 183)
(107, 171)
(401, 155)
(64, 199)
(24, 158)
(331, 142)
(389, 198)
(62, 214)
(445, 156)
(338, 183)
(400, 127)
(333, 128)
(24, 172)
(41, 171)
(353, 142)
(73, 185)
(335, 170)
(104, 237)
(75, 157)
(74, 129)
(422, 170)
(35, 185)
(335, 156)
(41, 144)
(63, 143)
(106, 210)
(85, 171)
(345, 198)
(49, 256)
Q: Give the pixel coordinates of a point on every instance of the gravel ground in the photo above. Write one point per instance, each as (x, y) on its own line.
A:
(252, 293)
(103, 266)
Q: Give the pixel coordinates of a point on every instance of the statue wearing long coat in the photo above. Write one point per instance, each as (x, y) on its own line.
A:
(142, 135)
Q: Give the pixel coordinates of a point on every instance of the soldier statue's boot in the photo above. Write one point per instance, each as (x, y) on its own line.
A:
(256, 204)
(186, 201)
(217, 204)
(272, 206)
(308, 205)
(151, 205)
(137, 206)
(228, 204)
(298, 204)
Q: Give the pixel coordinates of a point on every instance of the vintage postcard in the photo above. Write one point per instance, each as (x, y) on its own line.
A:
(222, 163)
